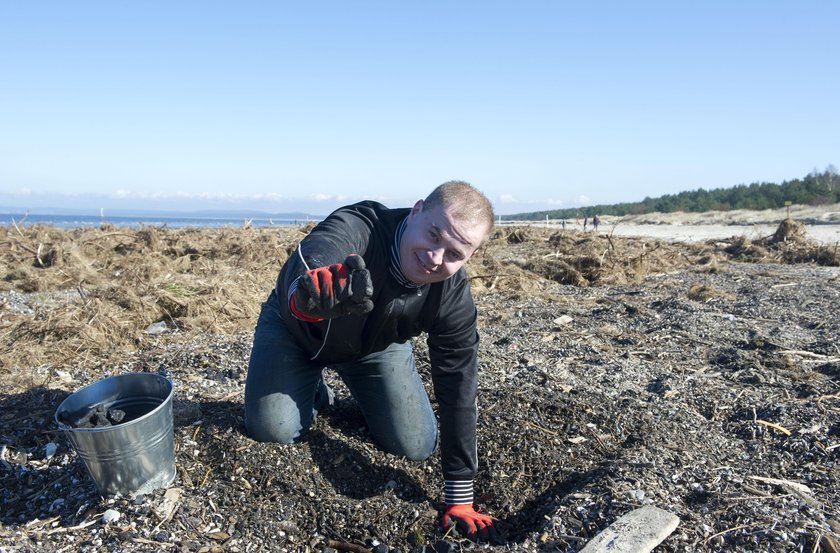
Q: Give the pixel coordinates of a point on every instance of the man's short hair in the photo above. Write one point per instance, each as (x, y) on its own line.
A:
(467, 203)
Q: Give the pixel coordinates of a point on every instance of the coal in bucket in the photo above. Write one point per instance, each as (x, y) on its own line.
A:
(121, 427)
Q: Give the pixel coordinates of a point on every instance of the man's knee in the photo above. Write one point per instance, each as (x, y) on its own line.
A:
(419, 455)
(262, 434)
(266, 428)
(419, 450)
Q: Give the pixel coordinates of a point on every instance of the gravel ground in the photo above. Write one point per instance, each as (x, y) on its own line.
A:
(708, 391)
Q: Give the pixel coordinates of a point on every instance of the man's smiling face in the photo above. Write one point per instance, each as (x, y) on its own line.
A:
(435, 244)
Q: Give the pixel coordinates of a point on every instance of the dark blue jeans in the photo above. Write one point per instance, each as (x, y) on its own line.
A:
(283, 382)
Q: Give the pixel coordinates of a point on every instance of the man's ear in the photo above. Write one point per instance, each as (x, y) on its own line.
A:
(418, 207)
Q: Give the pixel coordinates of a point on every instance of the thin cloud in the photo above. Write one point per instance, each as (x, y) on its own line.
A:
(507, 199)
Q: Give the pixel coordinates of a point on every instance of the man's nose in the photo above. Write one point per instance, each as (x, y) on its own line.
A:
(436, 256)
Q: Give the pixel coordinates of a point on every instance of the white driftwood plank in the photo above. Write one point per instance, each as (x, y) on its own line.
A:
(638, 531)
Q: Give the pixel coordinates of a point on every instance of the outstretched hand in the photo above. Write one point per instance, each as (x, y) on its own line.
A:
(335, 290)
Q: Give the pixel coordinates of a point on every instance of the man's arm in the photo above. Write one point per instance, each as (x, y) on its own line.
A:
(453, 348)
(320, 275)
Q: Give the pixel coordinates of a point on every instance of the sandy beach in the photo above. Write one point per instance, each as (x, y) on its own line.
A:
(824, 234)
(822, 224)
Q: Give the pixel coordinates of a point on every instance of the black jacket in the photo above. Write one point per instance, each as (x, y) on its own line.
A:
(444, 310)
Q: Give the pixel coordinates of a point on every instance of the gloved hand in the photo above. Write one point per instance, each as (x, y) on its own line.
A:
(334, 290)
(470, 523)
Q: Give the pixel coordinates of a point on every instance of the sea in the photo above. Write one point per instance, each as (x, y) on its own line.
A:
(69, 221)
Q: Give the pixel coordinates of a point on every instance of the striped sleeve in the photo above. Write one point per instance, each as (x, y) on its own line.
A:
(458, 492)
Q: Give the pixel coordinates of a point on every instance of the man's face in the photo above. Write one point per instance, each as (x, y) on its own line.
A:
(435, 245)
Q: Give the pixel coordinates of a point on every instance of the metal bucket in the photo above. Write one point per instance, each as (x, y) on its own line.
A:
(136, 455)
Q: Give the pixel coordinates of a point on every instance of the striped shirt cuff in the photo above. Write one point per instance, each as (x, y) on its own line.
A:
(292, 289)
(458, 492)
(298, 314)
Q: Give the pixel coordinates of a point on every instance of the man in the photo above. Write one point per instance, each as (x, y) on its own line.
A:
(364, 282)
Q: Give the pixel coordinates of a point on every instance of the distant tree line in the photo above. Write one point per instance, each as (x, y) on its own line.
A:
(817, 188)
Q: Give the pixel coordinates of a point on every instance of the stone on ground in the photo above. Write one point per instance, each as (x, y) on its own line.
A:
(638, 531)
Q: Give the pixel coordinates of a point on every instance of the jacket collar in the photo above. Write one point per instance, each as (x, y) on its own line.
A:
(395, 265)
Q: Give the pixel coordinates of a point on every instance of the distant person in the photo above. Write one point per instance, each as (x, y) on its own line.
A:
(595, 222)
(585, 222)
(563, 224)
(358, 287)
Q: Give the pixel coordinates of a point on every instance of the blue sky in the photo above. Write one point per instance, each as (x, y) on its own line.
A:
(306, 106)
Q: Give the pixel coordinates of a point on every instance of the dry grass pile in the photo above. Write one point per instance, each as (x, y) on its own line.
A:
(97, 290)
(518, 259)
(788, 231)
(114, 283)
(789, 244)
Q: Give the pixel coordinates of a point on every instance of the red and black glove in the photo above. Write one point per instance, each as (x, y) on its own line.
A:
(332, 291)
(469, 523)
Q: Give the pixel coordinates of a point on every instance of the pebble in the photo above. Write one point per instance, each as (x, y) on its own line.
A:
(111, 515)
(50, 450)
(638, 495)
